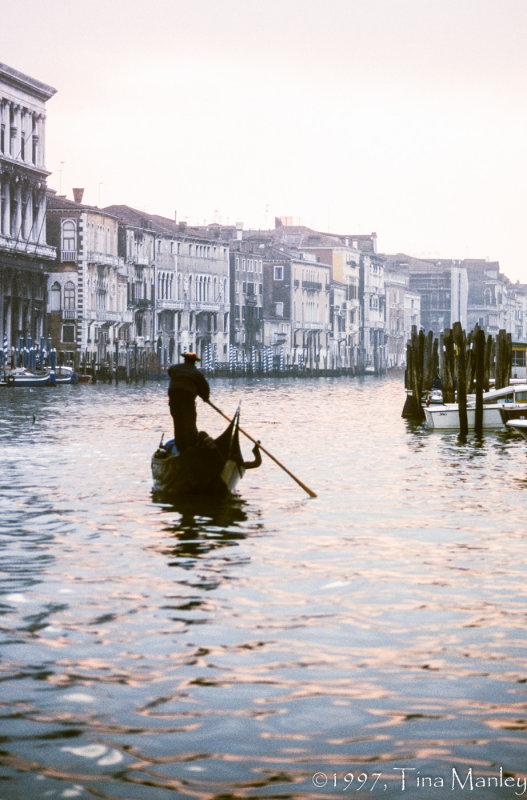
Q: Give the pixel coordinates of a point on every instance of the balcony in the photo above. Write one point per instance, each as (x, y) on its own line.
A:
(28, 248)
(170, 305)
(69, 314)
(68, 255)
(106, 259)
(310, 286)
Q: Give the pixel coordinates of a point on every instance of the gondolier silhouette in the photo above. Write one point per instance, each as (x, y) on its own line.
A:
(186, 383)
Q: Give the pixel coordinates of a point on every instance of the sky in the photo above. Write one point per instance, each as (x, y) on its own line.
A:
(403, 117)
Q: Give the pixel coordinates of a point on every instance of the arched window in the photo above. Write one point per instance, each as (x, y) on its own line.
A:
(69, 296)
(54, 297)
(69, 238)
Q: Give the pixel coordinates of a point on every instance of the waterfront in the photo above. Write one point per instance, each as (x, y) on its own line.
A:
(275, 645)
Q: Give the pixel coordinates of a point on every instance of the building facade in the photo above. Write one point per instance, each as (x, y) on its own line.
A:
(88, 304)
(403, 311)
(297, 292)
(189, 305)
(25, 255)
(246, 297)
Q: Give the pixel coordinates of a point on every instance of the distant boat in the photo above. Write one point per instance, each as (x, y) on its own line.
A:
(511, 399)
(65, 375)
(20, 376)
(211, 467)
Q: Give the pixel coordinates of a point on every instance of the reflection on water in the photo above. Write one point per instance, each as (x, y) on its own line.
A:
(199, 525)
(266, 645)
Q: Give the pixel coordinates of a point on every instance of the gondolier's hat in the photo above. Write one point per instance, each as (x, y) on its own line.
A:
(190, 357)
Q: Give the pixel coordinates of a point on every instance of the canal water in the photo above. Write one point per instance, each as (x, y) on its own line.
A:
(370, 641)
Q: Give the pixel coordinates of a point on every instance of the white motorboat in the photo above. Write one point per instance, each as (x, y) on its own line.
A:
(518, 425)
(511, 400)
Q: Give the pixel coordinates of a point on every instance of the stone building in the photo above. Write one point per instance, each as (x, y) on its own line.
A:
(189, 305)
(442, 286)
(25, 255)
(403, 311)
(297, 292)
(88, 307)
(246, 296)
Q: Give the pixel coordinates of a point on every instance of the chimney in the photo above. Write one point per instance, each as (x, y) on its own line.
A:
(239, 231)
(78, 195)
(175, 216)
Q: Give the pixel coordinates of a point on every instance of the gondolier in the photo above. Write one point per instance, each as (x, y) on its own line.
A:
(186, 383)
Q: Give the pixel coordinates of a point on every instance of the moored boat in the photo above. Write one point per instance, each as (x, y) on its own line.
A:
(512, 399)
(22, 377)
(64, 374)
(212, 466)
(518, 425)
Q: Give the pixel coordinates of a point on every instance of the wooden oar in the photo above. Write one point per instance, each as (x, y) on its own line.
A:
(267, 453)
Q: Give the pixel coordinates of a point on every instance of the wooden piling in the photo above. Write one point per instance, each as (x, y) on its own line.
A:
(489, 355)
(448, 367)
(479, 357)
(460, 349)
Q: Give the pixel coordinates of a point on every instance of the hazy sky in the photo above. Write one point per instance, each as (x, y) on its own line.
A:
(404, 117)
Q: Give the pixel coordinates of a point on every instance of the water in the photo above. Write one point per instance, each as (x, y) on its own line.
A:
(275, 646)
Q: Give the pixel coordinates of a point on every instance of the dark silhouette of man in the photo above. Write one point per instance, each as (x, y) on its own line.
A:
(186, 383)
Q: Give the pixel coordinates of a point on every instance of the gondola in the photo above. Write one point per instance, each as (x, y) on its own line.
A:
(211, 467)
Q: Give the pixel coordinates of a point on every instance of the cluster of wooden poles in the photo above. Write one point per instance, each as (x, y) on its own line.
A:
(461, 364)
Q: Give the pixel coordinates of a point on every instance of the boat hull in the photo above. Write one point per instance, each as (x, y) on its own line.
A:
(27, 379)
(511, 400)
(445, 417)
(518, 425)
(211, 467)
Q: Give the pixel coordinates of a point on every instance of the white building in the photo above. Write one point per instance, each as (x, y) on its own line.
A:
(24, 252)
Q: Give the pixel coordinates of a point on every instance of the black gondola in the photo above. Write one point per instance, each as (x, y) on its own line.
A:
(212, 466)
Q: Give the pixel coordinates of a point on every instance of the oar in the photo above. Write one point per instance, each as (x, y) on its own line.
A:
(267, 453)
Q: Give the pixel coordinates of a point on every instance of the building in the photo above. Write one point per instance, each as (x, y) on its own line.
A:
(87, 286)
(25, 255)
(403, 309)
(343, 257)
(297, 291)
(190, 306)
(442, 287)
(246, 296)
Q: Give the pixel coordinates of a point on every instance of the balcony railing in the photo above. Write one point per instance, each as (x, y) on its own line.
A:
(68, 255)
(311, 286)
(106, 259)
(170, 305)
(29, 248)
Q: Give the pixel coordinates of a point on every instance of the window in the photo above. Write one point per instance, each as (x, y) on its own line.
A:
(518, 360)
(68, 333)
(69, 236)
(54, 297)
(278, 273)
(69, 296)
(279, 309)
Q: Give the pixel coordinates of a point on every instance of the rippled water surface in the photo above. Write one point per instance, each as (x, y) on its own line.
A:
(370, 641)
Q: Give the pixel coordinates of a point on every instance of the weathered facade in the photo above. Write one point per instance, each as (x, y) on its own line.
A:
(246, 297)
(88, 304)
(25, 255)
(403, 311)
(189, 306)
(297, 295)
